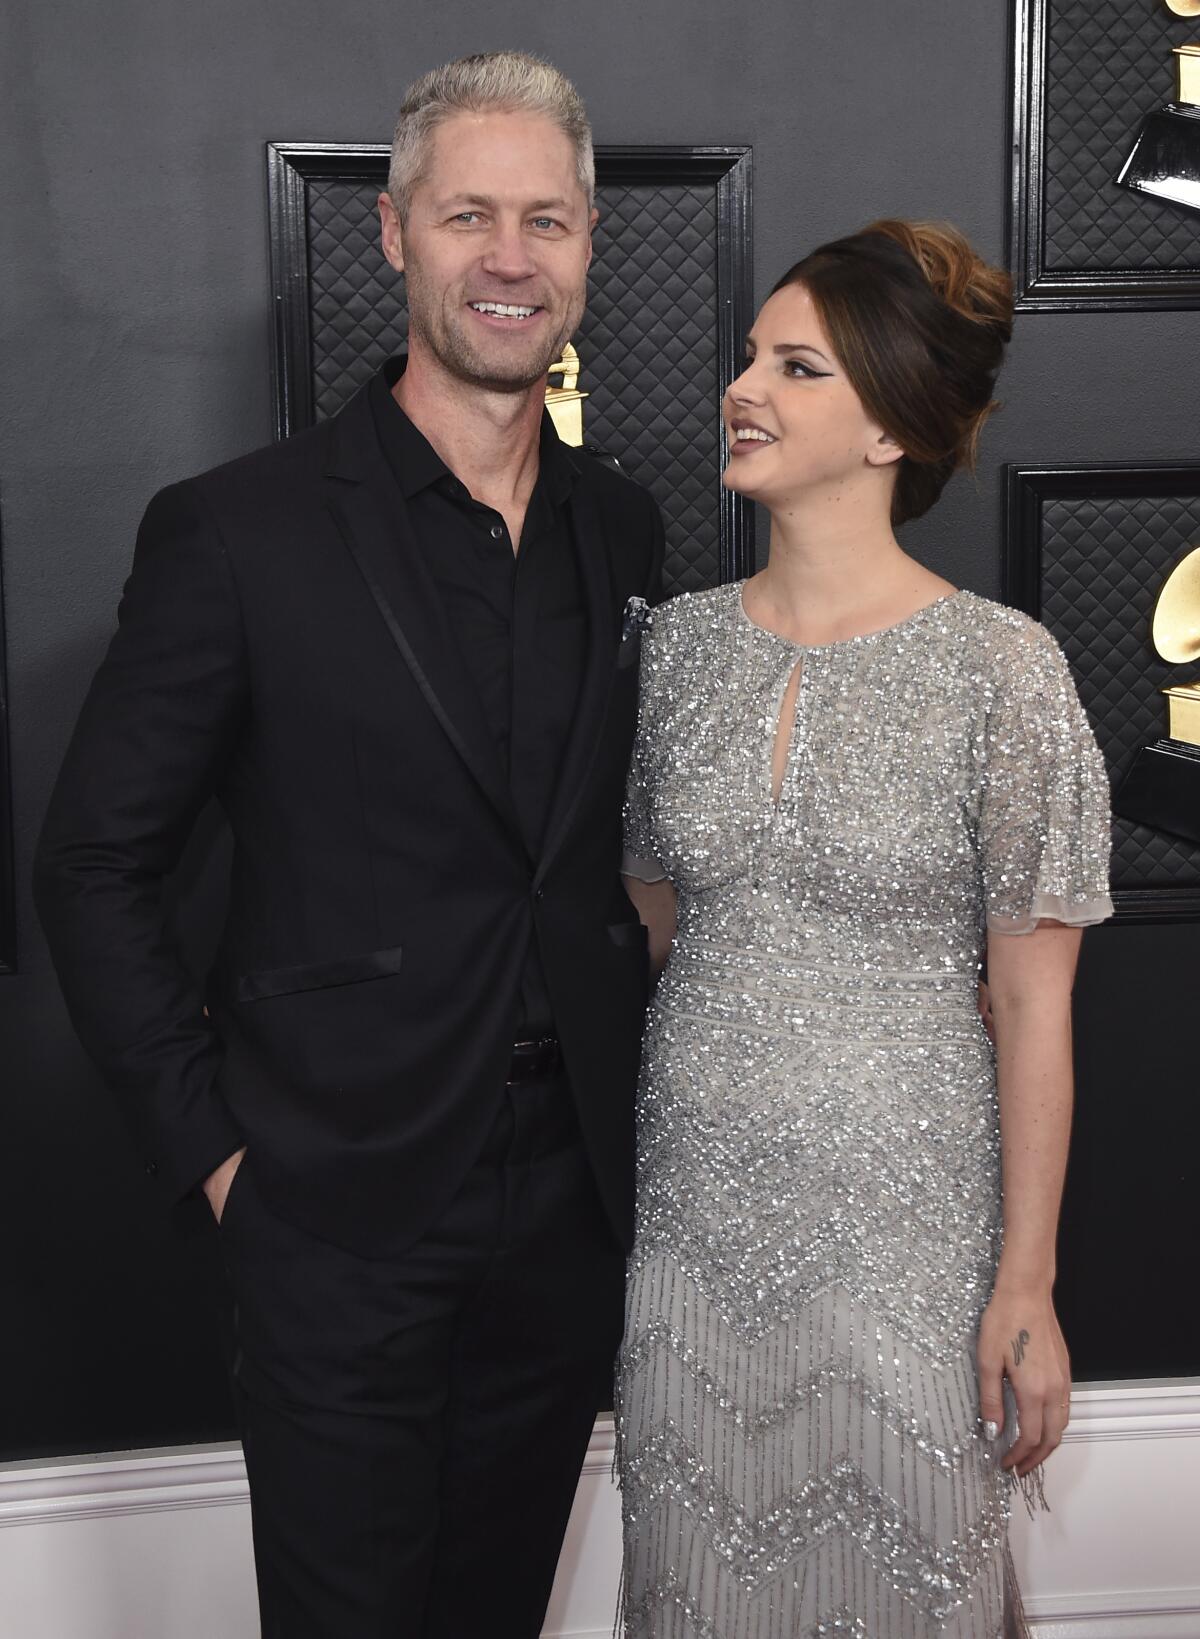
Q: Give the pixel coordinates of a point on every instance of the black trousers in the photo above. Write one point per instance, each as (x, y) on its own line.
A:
(414, 1427)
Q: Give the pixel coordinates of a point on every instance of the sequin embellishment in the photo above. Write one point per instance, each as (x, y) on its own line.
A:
(818, 1215)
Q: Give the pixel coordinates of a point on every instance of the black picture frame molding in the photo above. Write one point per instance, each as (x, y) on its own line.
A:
(1026, 491)
(1037, 289)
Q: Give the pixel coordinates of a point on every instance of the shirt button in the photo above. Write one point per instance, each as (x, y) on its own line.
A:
(497, 531)
(152, 1169)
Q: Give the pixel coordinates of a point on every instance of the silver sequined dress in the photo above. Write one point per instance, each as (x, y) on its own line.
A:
(818, 1178)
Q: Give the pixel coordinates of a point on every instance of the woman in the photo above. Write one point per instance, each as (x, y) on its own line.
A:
(850, 773)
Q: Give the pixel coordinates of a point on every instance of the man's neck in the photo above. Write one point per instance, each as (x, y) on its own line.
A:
(489, 440)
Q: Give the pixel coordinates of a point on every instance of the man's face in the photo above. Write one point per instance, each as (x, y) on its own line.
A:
(495, 250)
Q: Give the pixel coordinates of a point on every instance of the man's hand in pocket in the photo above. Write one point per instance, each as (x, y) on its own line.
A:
(216, 1185)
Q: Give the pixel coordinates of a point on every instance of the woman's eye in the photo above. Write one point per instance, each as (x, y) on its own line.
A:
(797, 369)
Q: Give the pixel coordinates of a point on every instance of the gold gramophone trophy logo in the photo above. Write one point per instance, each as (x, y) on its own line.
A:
(1162, 789)
(565, 403)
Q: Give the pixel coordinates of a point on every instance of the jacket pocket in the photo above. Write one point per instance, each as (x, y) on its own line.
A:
(344, 970)
(627, 933)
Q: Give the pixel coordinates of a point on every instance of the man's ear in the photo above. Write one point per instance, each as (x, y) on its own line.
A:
(391, 234)
(593, 218)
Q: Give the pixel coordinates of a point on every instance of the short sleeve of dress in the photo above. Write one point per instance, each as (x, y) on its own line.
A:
(1045, 826)
(637, 858)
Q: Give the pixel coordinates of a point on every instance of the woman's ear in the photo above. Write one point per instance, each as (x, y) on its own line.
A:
(883, 450)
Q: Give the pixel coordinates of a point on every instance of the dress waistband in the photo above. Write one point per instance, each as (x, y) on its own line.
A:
(840, 1000)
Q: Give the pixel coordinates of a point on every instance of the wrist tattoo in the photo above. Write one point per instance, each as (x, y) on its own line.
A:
(1019, 1344)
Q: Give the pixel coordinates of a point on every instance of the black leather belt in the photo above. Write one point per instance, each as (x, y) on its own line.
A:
(539, 1057)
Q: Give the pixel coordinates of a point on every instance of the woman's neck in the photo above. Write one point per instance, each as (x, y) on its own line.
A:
(836, 572)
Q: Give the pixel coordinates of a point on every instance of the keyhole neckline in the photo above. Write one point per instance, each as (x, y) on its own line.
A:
(783, 739)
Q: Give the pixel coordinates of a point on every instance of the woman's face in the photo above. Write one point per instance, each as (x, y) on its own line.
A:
(797, 429)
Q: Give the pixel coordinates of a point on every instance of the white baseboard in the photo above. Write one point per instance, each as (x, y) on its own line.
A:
(1149, 1410)
(138, 1482)
(1118, 1556)
(1167, 1613)
(156, 1544)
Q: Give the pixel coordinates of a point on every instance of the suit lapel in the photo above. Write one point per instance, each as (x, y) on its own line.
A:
(372, 518)
(596, 578)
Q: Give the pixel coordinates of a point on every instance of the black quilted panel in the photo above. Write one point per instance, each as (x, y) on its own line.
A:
(358, 314)
(1103, 562)
(1108, 62)
(647, 345)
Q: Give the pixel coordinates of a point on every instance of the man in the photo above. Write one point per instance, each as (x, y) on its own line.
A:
(394, 649)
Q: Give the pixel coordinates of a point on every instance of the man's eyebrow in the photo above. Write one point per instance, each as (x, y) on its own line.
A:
(464, 199)
(484, 202)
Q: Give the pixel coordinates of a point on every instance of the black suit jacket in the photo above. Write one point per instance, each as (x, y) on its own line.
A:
(281, 646)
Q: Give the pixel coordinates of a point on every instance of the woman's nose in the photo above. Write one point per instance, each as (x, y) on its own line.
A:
(745, 388)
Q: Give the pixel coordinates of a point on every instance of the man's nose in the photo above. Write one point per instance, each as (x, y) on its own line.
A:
(508, 253)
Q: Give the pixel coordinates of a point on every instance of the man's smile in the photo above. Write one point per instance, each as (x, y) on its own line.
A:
(506, 314)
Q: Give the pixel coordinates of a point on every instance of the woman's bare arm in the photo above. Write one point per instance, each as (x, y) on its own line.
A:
(1030, 978)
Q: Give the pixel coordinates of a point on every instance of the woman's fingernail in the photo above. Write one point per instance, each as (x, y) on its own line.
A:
(991, 1431)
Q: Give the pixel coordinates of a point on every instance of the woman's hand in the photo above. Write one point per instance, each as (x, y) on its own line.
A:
(655, 904)
(1020, 1337)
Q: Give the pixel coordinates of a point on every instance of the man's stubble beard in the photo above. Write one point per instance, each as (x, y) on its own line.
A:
(454, 351)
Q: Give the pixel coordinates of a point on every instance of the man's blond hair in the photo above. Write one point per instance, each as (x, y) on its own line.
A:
(499, 81)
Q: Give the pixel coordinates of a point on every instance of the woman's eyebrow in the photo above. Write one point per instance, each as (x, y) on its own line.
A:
(799, 347)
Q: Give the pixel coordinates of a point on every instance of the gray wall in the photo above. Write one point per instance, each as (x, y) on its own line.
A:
(135, 331)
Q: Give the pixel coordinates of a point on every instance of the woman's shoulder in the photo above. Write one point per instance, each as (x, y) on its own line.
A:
(1008, 655)
(1001, 635)
(691, 621)
(693, 611)
(687, 641)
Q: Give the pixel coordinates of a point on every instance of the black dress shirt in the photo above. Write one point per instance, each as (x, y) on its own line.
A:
(517, 617)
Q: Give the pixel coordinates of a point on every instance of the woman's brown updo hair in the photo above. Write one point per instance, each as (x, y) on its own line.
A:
(919, 323)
